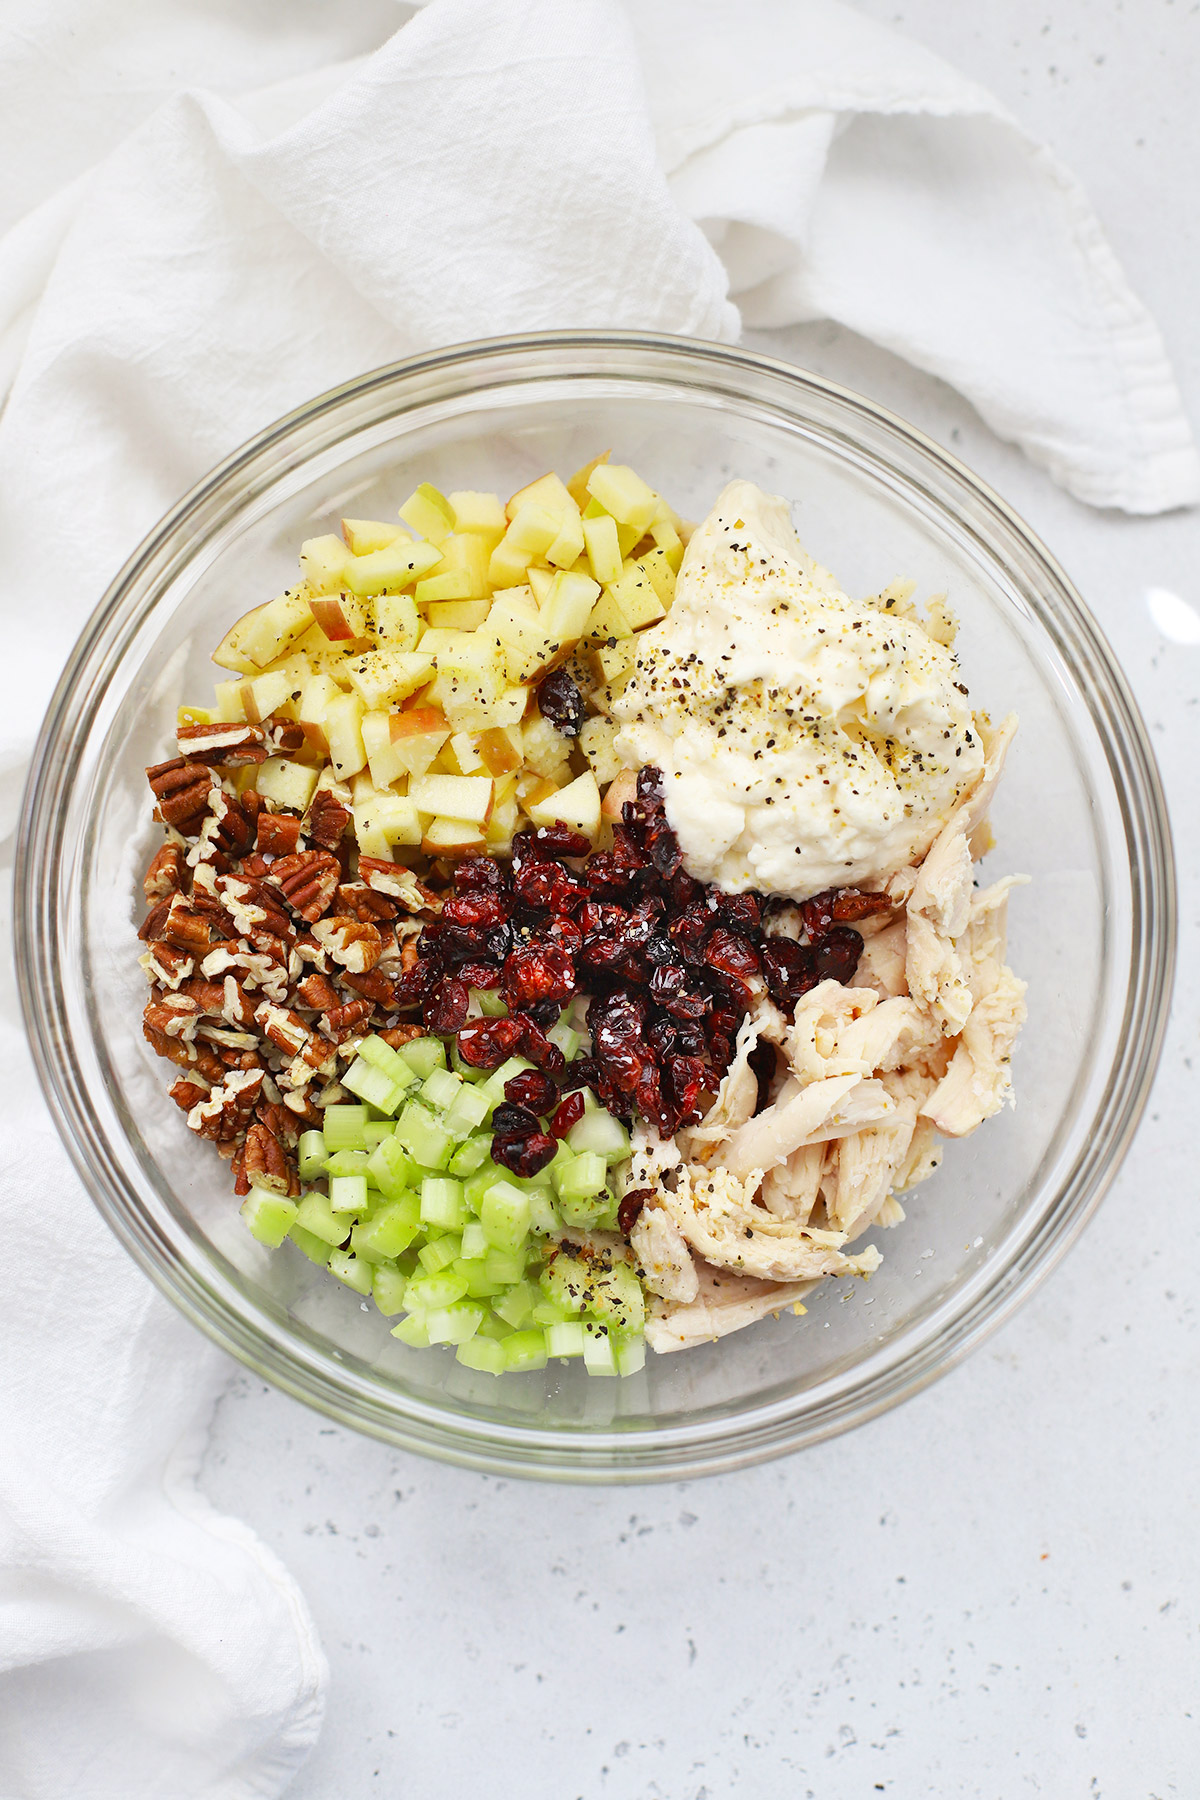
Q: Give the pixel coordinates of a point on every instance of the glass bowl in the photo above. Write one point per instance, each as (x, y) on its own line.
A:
(1079, 810)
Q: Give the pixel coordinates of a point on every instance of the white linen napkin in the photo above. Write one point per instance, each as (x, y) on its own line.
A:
(184, 261)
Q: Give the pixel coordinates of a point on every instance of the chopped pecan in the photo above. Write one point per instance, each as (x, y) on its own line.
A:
(352, 943)
(165, 875)
(170, 1014)
(237, 1168)
(198, 1057)
(410, 955)
(376, 986)
(181, 789)
(253, 907)
(266, 1161)
(399, 1035)
(399, 884)
(228, 746)
(308, 881)
(356, 898)
(224, 1114)
(327, 819)
(184, 924)
(234, 831)
(317, 991)
(343, 1021)
(279, 1121)
(298, 1102)
(220, 999)
(255, 866)
(187, 1093)
(152, 924)
(278, 833)
(284, 736)
(288, 1032)
(166, 965)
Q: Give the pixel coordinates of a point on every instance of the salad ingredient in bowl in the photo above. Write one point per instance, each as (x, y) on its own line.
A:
(568, 930)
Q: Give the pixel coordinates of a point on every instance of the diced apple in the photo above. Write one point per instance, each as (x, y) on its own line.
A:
(458, 615)
(391, 569)
(603, 548)
(323, 562)
(264, 634)
(319, 656)
(467, 554)
(509, 709)
(315, 698)
(544, 750)
(364, 536)
(385, 765)
(623, 787)
(462, 756)
(568, 546)
(568, 605)
(533, 529)
(453, 838)
(577, 805)
(637, 596)
(192, 715)
(627, 535)
(417, 736)
(382, 820)
(343, 620)
(596, 741)
(513, 610)
(540, 583)
(607, 622)
(264, 695)
(385, 677)
(668, 540)
(507, 565)
(227, 701)
(662, 576)
(624, 494)
(612, 661)
(534, 790)
(285, 782)
(482, 514)
(454, 796)
(500, 750)
(577, 486)
(429, 513)
(447, 584)
(397, 622)
(343, 732)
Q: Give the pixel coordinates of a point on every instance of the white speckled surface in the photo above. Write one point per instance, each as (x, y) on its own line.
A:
(991, 1592)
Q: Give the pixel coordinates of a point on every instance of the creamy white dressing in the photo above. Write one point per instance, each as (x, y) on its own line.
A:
(806, 740)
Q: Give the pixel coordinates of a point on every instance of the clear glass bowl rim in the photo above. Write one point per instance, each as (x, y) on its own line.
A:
(618, 1456)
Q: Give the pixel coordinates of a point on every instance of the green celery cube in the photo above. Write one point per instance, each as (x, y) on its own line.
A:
(342, 1127)
(311, 1154)
(412, 1331)
(524, 1350)
(440, 1088)
(427, 1293)
(454, 1324)
(351, 1270)
(466, 1112)
(387, 1289)
(348, 1193)
(505, 1215)
(269, 1216)
(439, 1253)
(315, 1215)
(418, 1132)
(372, 1085)
(484, 1354)
(391, 1168)
(381, 1056)
(423, 1055)
(442, 1202)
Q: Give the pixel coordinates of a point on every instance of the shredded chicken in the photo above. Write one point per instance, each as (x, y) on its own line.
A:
(723, 1303)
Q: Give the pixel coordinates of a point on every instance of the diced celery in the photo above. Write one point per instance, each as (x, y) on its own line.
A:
(269, 1216)
(454, 1324)
(439, 1254)
(311, 1154)
(387, 1289)
(549, 1312)
(423, 1055)
(600, 1132)
(391, 1168)
(372, 1085)
(347, 1162)
(505, 1215)
(477, 1185)
(490, 1002)
(516, 1306)
(567, 1039)
(524, 1350)
(315, 1248)
(412, 1331)
(390, 1229)
(544, 1216)
(484, 1354)
(315, 1215)
(428, 1292)
(342, 1127)
(352, 1270)
(470, 1156)
(582, 1178)
(442, 1202)
(474, 1239)
(493, 1327)
(440, 1088)
(466, 1111)
(481, 1284)
(381, 1056)
(598, 1357)
(348, 1193)
(493, 1087)
(507, 1266)
(630, 1353)
(420, 1133)
(565, 1339)
(376, 1130)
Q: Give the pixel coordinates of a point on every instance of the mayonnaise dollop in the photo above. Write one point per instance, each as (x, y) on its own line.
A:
(806, 740)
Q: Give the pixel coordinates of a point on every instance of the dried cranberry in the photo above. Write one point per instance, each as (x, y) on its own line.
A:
(480, 975)
(486, 1043)
(689, 931)
(537, 972)
(630, 1208)
(651, 1102)
(602, 919)
(610, 874)
(559, 840)
(512, 1119)
(663, 1038)
(479, 874)
(837, 954)
(560, 701)
(733, 957)
(547, 887)
(537, 1046)
(690, 1037)
(524, 1156)
(666, 982)
(478, 908)
(849, 905)
(532, 1089)
(567, 1114)
(740, 912)
(566, 934)
(661, 950)
(664, 849)
(649, 784)
(684, 891)
(446, 1008)
(817, 914)
(790, 969)
(685, 1077)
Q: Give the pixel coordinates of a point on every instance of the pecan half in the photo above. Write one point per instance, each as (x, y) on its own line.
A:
(350, 942)
(181, 789)
(198, 1057)
(187, 1093)
(278, 833)
(165, 875)
(284, 736)
(227, 746)
(364, 903)
(223, 1114)
(234, 831)
(265, 1160)
(327, 819)
(308, 881)
(184, 924)
(166, 965)
(376, 986)
(399, 884)
(399, 1035)
(317, 991)
(343, 1021)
